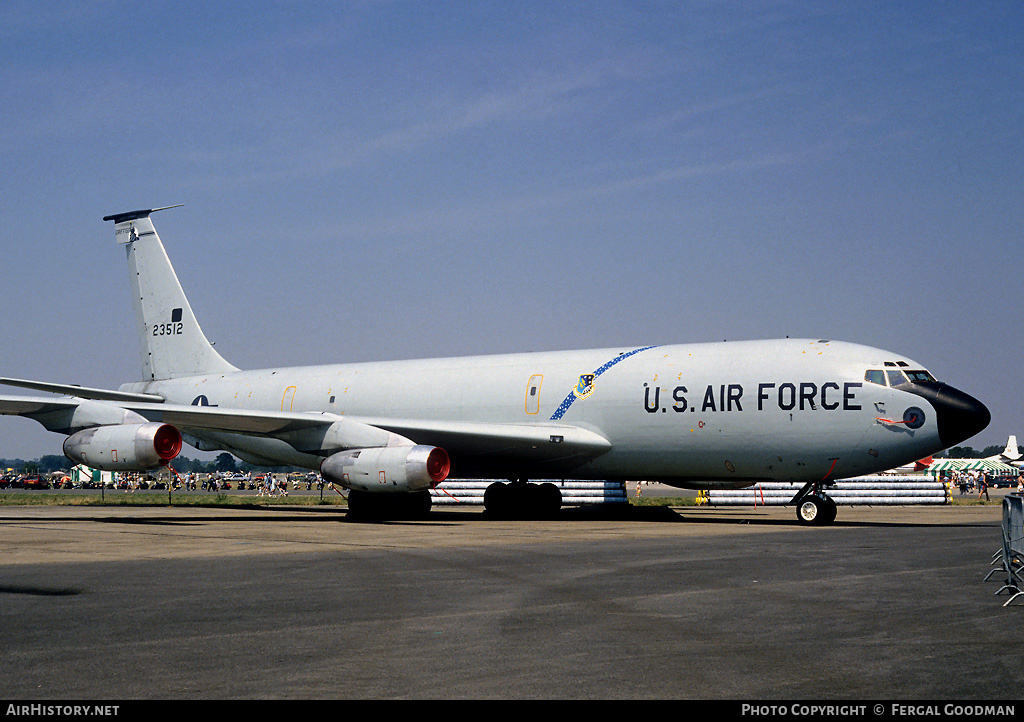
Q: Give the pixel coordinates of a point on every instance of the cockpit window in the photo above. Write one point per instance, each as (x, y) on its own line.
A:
(875, 376)
(895, 377)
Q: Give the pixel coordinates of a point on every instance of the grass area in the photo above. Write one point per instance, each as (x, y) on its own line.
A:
(974, 501)
(663, 500)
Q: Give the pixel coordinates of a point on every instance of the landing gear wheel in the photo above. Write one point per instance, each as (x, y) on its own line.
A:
(496, 502)
(550, 498)
(419, 504)
(360, 505)
(367, 506)
(829, 511)
(809, 510)
(521, 500)
(815, 510)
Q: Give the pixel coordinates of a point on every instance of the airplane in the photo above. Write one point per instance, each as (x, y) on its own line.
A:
(698, 415)
(1005, 462)
(919, 465)
(1010, 455)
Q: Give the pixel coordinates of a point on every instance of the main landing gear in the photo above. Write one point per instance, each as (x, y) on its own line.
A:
(814, 507)
(522, 500)
(367, 506)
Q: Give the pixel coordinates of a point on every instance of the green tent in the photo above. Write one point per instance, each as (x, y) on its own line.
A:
(986, 465)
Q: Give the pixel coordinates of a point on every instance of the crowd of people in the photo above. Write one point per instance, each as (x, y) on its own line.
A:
(969, 481)
(263, 484)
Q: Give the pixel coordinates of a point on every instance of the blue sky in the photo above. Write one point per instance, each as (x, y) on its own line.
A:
(377, 180)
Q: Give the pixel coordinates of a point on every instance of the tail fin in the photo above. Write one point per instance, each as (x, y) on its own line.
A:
(172, 343)
(1011, 451)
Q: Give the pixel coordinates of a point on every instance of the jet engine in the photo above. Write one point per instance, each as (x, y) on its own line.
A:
(124, 447)
(387, 468)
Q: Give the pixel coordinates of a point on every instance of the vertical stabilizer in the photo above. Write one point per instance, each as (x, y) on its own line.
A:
(172, 343)
(1011, 452)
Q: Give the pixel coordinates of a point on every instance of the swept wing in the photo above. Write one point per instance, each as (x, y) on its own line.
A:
(312, 432)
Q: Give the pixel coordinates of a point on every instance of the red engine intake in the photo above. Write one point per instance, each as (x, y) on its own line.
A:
(384, 469)
(124, 447)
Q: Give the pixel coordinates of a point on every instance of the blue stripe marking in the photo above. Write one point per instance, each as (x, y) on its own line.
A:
(564, 406)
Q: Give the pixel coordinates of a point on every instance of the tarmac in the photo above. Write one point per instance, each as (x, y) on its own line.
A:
(150, 603)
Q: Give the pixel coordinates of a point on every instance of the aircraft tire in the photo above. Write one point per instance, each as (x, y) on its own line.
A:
(496, 500)
(367, 506)
(550, 498)
(361, 505)
(810, 510)
(829, 511)
(816, 510)
(417, 505)
(521, 500)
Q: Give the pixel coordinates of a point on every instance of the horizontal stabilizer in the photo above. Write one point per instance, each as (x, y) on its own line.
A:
(82, 392)
(32, 406)
(135, 215)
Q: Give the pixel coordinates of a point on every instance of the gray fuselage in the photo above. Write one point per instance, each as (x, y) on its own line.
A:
(701, 415)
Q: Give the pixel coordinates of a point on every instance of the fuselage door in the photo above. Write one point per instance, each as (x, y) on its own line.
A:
(533, 394)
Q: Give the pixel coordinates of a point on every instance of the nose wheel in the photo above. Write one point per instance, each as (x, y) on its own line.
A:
(815, 509)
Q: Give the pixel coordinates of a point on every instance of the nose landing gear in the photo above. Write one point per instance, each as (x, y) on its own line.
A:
(816, 509)
(813, 506)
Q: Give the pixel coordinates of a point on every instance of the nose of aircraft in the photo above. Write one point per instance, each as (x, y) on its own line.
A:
(960, 416)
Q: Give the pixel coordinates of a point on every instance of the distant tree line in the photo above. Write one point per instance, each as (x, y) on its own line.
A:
(966, 452)
(182, 465)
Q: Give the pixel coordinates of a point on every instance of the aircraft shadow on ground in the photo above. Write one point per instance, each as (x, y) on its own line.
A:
(452, 516)
(35, 591)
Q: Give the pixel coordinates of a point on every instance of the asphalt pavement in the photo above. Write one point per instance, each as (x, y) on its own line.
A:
(109, 603)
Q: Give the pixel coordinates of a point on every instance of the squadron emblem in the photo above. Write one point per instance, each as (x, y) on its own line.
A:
(585, 387)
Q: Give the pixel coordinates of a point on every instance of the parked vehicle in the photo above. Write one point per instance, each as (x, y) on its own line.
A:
(34, 481)
(1003, 481)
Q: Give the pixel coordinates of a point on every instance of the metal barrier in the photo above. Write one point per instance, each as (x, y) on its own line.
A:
(862, 490)
(865, 490)
(574, 493)
(1010, 555)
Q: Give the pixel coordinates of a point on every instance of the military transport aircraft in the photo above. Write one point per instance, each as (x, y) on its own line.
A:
(706, 415)
(1010, 454)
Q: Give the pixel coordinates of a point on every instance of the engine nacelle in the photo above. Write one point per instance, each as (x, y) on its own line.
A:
(124, 447)
(387, 468)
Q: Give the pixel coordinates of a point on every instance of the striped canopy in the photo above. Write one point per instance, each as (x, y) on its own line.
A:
(971, 465)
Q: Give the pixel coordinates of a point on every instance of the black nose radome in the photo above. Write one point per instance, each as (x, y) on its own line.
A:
(959, 416)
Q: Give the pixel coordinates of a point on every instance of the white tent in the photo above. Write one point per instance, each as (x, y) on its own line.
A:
(986, 465)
